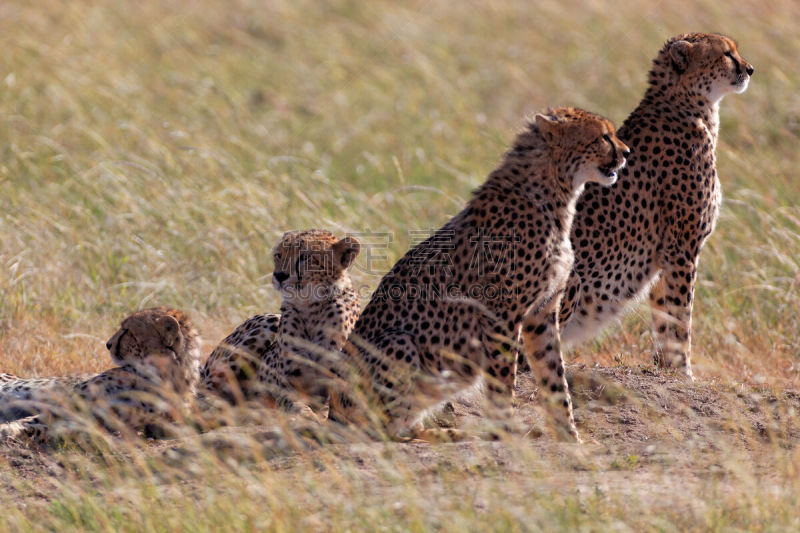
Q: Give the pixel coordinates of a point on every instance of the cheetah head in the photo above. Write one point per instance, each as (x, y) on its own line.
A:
(704, 62)
(312, 265)
(585, 142)
(156, 339)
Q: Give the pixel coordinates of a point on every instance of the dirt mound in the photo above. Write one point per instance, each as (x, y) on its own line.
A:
(647, 433)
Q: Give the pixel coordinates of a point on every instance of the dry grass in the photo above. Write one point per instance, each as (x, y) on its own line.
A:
(153, 154)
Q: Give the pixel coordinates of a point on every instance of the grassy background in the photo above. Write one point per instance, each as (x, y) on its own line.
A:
(153, 152)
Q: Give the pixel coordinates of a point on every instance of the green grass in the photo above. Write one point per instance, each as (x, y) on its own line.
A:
(152, 153)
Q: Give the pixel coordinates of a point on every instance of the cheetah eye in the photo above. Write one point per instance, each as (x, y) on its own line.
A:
(729, 56)
(607, 139)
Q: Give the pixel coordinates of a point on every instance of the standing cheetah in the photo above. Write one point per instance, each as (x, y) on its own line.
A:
(275, 358)
(158, 353)
(646, 232)
(450, 310)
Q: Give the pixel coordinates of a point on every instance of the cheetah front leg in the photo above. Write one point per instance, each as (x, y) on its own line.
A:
(569, 303)
(542, 346)
(275, 390)
(501, 375)
(671, 300)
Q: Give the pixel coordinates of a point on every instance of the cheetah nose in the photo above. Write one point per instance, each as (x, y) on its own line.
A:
(280, 277)
(750, 70)
(626, 153)
(108, 345)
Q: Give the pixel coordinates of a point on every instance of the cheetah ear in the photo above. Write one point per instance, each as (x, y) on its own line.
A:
(169, 330)
(679, 53)
(547, 125)
(346, 250)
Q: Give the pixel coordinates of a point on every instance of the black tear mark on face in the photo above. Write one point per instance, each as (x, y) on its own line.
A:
(119, 344)
(736, 64)
(613, 148)
(302, 259)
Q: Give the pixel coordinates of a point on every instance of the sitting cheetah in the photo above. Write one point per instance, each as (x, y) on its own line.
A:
(275, 358)
(158, 353)
(646, 232)
(451, 308)
(231, 371)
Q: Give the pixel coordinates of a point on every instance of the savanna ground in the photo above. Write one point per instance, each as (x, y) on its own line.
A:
(152, 153)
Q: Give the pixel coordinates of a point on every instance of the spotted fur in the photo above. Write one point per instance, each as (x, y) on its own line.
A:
(18, 395)
(280, 358)
(645, 233)
(450, 310)
(158, 356)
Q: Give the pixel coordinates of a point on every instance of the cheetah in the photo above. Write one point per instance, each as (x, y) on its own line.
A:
(645, 233)
(277, 358)
(18, 395)
(449, 311)
(231, 370)
(157, 351)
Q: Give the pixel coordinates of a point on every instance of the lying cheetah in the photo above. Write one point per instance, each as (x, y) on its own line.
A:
(158, 353)
(646, 232)
(275, 358)
(450, 310)
(18, 395)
